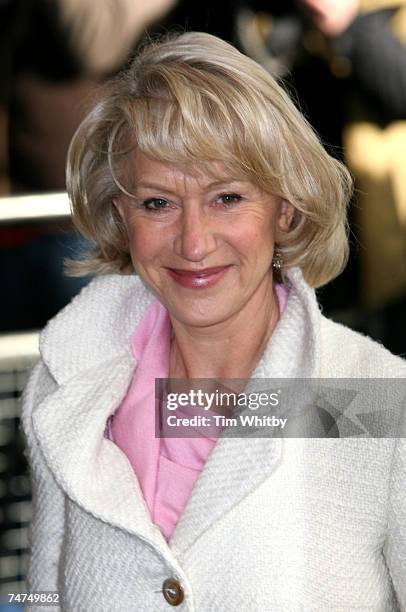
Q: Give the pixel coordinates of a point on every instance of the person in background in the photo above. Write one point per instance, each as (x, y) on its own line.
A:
(53, 58)
(347, 61)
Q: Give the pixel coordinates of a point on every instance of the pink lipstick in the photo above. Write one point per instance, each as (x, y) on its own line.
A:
(198, 279)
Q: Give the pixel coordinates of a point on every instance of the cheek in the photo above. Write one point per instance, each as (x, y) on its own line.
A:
(255, 239)
(146, 242)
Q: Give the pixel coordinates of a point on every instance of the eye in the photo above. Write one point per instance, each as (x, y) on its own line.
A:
(228, 199)
(155, 204)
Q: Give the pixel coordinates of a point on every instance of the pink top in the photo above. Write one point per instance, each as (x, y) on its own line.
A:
(167, 468)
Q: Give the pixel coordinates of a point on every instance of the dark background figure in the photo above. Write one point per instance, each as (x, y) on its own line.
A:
(39, 115)
(53, 57)
(346, 62)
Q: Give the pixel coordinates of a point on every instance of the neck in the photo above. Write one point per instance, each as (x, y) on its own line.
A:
(230, 349)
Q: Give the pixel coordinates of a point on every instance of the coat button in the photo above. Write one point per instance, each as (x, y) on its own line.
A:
(173, 592)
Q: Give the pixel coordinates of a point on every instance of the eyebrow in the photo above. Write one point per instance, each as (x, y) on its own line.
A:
(148, 185)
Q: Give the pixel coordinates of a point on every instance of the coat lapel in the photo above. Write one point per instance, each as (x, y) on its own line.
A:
(234, 469)
(92, 470)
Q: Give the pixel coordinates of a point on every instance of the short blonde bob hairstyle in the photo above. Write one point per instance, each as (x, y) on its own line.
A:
(191, 99)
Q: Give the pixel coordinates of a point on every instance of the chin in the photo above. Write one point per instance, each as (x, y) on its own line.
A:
(197, 315)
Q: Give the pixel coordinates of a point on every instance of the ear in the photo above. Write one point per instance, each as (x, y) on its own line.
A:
(285, 217)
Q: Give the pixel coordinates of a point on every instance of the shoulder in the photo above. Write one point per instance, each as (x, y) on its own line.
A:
(40, 385)
(96, 324)
(352, 354)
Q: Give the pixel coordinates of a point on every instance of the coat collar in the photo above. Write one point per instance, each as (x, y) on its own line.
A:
(87, 350)
(97, 326)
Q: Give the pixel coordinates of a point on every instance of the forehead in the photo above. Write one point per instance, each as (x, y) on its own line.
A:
(205, 173)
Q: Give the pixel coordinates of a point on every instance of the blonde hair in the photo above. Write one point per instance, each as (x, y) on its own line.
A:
(193, 98)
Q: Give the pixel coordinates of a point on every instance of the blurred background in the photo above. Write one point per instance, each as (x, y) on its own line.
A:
(343, 62)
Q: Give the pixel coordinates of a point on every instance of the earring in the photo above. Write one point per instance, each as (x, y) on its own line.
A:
(277, 260)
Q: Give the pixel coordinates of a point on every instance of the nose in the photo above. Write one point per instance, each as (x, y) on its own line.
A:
(195, 237)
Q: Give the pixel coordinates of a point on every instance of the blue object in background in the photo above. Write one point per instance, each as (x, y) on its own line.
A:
(33, 285)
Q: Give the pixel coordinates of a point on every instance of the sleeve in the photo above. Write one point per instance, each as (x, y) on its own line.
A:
(47, 525)
(395, 545)
(378, 61)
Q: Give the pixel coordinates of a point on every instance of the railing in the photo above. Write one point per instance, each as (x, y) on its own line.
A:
(37, 208)
(18, 352)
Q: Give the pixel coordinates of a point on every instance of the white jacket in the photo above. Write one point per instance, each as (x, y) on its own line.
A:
(273, 525)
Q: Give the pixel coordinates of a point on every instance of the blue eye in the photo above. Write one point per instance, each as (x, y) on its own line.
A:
(230, 198)
(155, 204)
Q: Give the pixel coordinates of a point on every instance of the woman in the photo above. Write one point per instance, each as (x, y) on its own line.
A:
(196, 172)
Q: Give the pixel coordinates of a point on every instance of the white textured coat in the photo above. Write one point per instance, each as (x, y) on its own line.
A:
(273, 525)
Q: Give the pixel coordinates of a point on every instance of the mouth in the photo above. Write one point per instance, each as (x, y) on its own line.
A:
(198, 279)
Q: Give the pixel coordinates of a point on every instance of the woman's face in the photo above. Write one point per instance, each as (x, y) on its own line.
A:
(203, 245)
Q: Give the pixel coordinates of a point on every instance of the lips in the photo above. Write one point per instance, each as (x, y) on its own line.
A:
(198, 279)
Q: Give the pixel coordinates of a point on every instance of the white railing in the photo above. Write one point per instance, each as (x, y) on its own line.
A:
(38, 207)
(18, 352)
